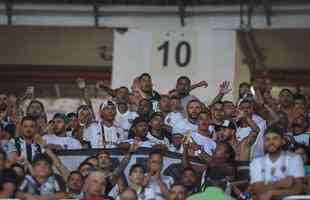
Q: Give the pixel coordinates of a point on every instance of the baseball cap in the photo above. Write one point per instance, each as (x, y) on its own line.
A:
(106, 104)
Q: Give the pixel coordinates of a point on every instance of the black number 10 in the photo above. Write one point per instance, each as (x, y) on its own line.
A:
(179, 61)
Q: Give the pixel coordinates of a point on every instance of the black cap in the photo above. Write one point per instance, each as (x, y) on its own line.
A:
(273, 130)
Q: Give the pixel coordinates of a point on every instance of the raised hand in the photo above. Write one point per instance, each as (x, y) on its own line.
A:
(224, 88)
(81, 83)
(134, 146)
(202, 84)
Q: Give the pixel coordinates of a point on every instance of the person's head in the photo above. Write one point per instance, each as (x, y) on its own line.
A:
(177, 192)
(175, 104)
(229, 109)
(193, 108)
(146, 84)
(129, 194)
(75, 182)
(203, 121)
(177, 140)
(300, 102)
(60, 122)
(86, 168)
(136, 174)
(244, 89)
(164, 104)
(28, 127)
(104, 160)
(273, 140)
(140, 127)
(155, 161)
(107, 111)
(94, 184)
(20, 172)
(84, 114)
(3, 102)
(92, 160)
(144, 107)
(247, 107)
(183, 86)
(73, 120)
(224, 152)
(3, 158)
(8, 131)
(217, 111)
(286, 98)
(300, 124)
(229, 131)
(122, 95)
(35, 108)
(42, 165)
(156, 121)
(303, 151)
(283, 121)
(189, 178)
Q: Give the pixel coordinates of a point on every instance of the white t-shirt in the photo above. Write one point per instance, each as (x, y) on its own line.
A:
(125, 120)
(257, 148)
(183, 126)
(174, 119)
(262, 169)
(154, 140)
(207, 143)
(64, 142)
(302, 138)
(95, 132)
(146, 143)
(153, 184)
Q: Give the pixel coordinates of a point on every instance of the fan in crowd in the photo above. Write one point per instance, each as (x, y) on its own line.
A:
(254, 148)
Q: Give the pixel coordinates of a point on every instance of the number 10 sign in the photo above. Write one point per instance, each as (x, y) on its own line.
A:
(174, 51)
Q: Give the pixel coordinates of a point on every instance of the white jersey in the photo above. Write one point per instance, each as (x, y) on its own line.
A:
(257, 148)
(155, 140)
(175, 119)
(147, 143)
(125, 120)
(64, 142)
(154, 185)
(207, 143)
(302, 138)
(98, 134)
(262, 169)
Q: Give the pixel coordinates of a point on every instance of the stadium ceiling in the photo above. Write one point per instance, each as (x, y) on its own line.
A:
(161, 2)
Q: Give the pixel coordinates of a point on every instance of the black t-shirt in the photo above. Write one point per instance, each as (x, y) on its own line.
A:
(8, 176)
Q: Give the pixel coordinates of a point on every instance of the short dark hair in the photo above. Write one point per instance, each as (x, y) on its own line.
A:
(103, 152)
(191, 101)
(155, 114)
(72, 114)
(36, 101)
(75, 172)
(184, 78)
(85, 163)
(286, 90)
(227, 102)
(273, 129)
(244, 84)
(42, 157)
(144, 74)
(156, 152)
(29, 118)
(189, 169)
(137, 165)
(229, 150)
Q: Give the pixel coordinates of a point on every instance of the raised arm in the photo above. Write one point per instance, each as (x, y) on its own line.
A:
(224, 89)
(198, 85)
(102, 85)
(82, 86)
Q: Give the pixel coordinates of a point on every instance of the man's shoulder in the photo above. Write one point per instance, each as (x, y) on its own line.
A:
(257, 161)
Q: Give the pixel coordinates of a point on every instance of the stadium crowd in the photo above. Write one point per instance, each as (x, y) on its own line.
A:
(269, 133)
